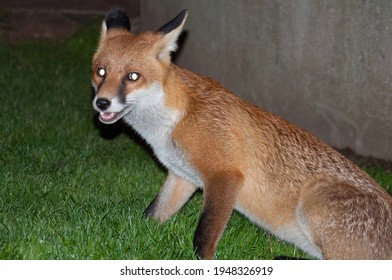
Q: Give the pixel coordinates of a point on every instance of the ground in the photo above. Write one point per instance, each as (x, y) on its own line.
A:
(55, 20)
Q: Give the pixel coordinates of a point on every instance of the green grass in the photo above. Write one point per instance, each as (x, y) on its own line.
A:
(72, 189)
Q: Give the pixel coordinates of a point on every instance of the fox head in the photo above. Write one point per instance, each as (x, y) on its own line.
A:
(128, 69)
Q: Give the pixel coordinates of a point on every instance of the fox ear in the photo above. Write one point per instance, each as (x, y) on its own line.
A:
(115, 18)
(171, 31)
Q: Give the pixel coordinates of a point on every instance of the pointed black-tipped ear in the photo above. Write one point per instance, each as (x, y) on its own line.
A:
(117, 18)
(171, 31)
(174, 23)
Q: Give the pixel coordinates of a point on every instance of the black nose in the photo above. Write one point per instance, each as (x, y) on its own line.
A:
(102, 103)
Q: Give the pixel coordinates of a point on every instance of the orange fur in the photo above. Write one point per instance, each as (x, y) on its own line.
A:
(278, 175)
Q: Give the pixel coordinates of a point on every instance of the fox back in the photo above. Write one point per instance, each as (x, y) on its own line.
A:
(244, 158)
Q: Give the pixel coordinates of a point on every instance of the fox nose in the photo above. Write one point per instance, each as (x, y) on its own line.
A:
(102, 103)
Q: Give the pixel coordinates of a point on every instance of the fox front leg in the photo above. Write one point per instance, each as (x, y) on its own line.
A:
(174, 193)
(219, 197)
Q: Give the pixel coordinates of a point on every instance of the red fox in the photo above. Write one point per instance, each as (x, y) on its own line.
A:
(242, 157)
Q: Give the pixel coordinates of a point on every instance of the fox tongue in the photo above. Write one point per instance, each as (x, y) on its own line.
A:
(107, 116)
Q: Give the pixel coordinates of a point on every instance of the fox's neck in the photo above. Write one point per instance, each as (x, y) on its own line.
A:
(176, 89)
(164, 104)
(151, 118)
(183, 87)
(156, 118)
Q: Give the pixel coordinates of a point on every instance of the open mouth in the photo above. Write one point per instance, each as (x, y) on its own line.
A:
(112, 117)
(106, 117)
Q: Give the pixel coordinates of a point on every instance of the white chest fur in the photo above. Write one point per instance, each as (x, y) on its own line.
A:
(155, 123)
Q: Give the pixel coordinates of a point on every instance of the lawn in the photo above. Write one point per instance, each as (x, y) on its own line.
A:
(71, 188)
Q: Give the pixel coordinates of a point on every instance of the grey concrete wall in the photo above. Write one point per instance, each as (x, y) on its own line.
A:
(324, 65)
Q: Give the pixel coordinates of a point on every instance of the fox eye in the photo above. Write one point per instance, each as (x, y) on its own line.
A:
(134, 76)
(101, 72)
